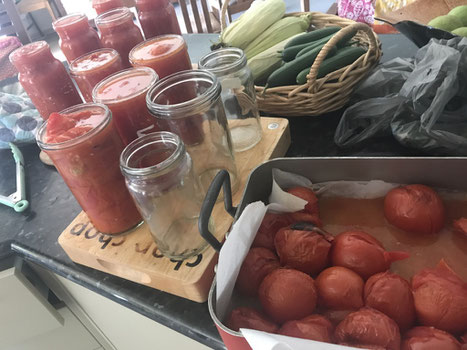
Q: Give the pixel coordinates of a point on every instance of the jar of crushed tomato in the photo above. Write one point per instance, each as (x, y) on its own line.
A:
(102, 6)
(157, 17)
(119, 32)
(85, 148)
(166, 54)
(93, 67)
(76, 36)
(160, 178)
(44, 78)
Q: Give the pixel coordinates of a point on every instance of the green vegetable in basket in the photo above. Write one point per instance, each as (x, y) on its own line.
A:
(341, 43)
(313, 36)
(342, 58)
(291, 52)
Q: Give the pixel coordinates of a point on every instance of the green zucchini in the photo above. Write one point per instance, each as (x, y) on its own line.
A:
(312, 36)
(341, 43)
(290, 53)
(301, 77)
(343, 57)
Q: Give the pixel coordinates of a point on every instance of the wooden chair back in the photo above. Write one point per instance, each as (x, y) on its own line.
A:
(10, 21)
(198, 22)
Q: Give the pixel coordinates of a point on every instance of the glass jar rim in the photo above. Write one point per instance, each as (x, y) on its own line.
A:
(29, 50)
(179, 110)
(151, 41)
(114, 76)
(148, 140)
(75, 71)
(70, 143)
(113, 16)
(237, 54)
(79, 17)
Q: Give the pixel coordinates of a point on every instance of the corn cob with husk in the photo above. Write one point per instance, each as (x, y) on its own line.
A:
(260, 16)
(279, 31)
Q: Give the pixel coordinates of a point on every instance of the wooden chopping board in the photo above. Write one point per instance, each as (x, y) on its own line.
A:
(135, 256)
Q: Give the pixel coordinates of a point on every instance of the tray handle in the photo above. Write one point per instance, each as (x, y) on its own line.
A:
(221, 180)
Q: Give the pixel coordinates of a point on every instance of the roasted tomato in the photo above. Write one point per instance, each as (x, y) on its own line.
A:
(269, 226)
(340, 289)
(245, 317)
(257, 264)
(391, 294)
(460, 225)
(362, 253)
(311, 211)
(429, 338)
(314, 327)
(336, 316)
(287, 294)
(368, 328)
(440, 298)
(415, 208)
(306, 251)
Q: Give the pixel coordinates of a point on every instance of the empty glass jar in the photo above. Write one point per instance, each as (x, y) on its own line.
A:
(159, 175)
(188, 104)
(238, 95)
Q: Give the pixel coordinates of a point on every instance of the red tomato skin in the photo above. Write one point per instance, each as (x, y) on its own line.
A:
(415, 208)
(339, 288)
(311, 211)
(362, 253)
(245, 317)
(368, 327)
(306, 251)
(429, 338)
(335, 316)
(257, 264)
(440, 298)
(460, 226)
(287, 294)
(271, 223)
(314, 327)
(391, 294)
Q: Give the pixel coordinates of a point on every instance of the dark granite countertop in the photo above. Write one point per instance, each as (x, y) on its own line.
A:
(33, 234)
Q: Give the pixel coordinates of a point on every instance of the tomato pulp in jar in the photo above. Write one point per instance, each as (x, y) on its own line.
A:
(125, 94)
(44, 78)
(166, 54)
(102, 6)
(119, 32)
(76, 36)
(85, 148)
(157, 17)
(93, 67)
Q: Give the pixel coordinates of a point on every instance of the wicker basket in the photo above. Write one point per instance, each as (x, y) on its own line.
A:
(331, 92)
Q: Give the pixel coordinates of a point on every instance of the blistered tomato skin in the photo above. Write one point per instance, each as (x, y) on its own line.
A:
(306, 251)
(245, 317)
(429, 338)
(392, 295)
(415, 208)
(440, 298)
(314, 327)
(287, 294)
(340, 288)
(362, 253)
(257, 264)
(267, 231)
(460, 226)
(311, 211)
(368, 327)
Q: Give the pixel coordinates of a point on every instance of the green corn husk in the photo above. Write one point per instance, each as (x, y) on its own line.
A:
(281, 30)
(261, 15)
(267, 61)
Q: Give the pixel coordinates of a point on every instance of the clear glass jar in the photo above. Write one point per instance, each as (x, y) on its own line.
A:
(238, 95)
(188, 103)
(159, 176)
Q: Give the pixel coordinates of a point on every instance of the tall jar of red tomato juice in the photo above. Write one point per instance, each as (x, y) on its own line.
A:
(76, 36)
(166, 54)
(125, 94)
(157, 17)
(102, 6)
(85, 148)
(119, 32)
(44, 78)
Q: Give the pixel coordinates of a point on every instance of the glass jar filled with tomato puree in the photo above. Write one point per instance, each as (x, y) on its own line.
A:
(76, 36)
(119, 32)
(93, 67)
(44, 78)
(125, 94)
(157, 17)
(166, 54)
(102, 6)
(85, 148)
